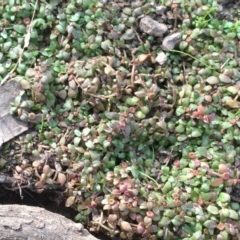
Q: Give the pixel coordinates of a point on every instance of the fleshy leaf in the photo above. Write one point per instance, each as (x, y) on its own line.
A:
(210, 224)
(233, 214)
(70, 201)
(212, 209)
(216, 183)
(223, 197)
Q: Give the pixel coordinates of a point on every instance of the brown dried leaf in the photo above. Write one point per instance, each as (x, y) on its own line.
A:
(141, 58)
(62, 178)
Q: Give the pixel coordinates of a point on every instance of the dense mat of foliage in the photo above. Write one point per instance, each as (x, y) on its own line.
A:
(142, 136)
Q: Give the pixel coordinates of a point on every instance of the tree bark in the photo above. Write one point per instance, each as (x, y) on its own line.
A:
(33, 223)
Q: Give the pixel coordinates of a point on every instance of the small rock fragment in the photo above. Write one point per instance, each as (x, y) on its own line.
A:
(161, 58)
(160, 10)
(152, 27)
(170, 41)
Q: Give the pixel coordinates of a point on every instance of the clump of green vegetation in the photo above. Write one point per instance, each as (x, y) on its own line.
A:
(141, 149)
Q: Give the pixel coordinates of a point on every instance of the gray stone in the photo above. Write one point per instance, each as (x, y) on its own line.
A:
(161, 58)
(160, 10)
(170, 41)
(152, 27)
(10, 127)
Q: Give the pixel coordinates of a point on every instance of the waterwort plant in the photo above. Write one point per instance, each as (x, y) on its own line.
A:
(142, 146)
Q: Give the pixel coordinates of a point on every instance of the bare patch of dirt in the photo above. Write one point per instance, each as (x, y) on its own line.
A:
(230, 10)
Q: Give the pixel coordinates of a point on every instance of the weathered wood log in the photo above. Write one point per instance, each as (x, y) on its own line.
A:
(28, 223)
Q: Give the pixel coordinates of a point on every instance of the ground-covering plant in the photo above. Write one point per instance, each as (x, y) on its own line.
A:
(142, 150)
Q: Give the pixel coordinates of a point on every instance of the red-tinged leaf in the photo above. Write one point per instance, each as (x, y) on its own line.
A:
(216, 183)
(200, 110)
(223, 168)
(211, 117)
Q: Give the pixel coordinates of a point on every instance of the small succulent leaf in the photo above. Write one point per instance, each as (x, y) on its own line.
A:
(188, 229)
(167, 187)
(196, 133)
(212, 209)
(210, 224)
(134, 170)
(162, 124)
(70, 201)
(223, 168)
(225, 79)
(126, 226)
(62, 178)
(141, 58)
(164, 221)
(212, 80)
(112, 115)
(25, 84)
(86, 131)
(89, 144)
(232, 103)
(77, 133)
(19, 28)
(226, 125)
(216, 182)
(126, 131)
(202, 151)
(233, 214)
(223, 197)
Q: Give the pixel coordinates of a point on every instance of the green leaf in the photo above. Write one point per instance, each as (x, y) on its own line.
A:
(196, 133)
(212, 209)
(19, 28)
(223, 197)
(75, 17)
(86, 131)
(77, 133)
(216, 182)
(164, 221)
(167, 187)
(181, 138)
(233, 214)
(89, 144)
(39, 22)
(4, 34)
(106, 143)
(202, 151)
(76, 141)
(210, 224)
(135, 172)
(226, 125)
(68, 104)
(112, 115)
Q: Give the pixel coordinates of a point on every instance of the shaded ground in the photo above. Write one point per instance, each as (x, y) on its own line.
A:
(230, 10)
